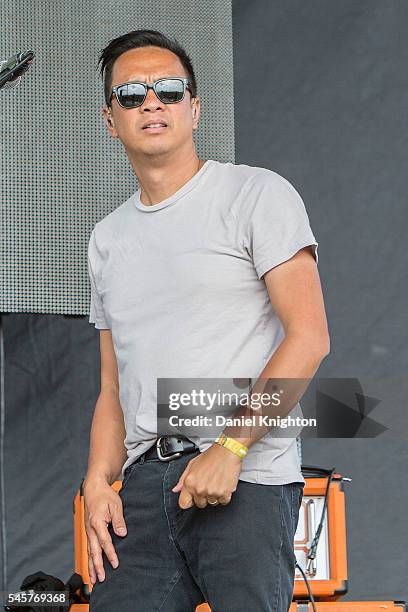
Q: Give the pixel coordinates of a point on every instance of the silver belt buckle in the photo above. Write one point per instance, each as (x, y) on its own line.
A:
(162, 457)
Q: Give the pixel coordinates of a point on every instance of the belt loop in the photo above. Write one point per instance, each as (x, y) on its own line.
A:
(142, 458)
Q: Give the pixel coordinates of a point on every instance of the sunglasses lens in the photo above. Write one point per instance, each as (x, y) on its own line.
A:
(170, 90)
(131, 95)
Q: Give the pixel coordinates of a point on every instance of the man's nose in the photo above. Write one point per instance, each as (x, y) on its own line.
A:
(152, 101)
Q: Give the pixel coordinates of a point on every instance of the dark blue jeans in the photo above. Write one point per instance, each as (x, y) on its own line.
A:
(238, 557)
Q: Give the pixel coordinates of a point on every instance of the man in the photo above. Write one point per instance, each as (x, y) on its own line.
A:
(208, 270)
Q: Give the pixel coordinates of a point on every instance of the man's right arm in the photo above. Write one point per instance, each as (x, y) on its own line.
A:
(107, 455)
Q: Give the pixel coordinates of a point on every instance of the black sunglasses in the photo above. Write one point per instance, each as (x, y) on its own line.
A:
(132, 95)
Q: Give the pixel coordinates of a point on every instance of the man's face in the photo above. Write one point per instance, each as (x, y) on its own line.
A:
(147, 64)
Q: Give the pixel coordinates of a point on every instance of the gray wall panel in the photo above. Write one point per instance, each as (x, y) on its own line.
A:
(321, 97)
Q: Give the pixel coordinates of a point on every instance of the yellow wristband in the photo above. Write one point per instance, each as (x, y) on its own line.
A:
(232, 445)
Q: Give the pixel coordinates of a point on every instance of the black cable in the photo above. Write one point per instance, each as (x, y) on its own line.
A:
(312, 601)
(313, 547)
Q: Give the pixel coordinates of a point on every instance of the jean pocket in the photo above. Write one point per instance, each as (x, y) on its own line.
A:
(128, 473)
(297, 497)
(301, 492)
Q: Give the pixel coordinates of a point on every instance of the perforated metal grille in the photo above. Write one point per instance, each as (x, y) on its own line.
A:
(60, 170)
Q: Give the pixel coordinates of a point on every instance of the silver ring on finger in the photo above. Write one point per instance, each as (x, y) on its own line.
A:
(213, 503)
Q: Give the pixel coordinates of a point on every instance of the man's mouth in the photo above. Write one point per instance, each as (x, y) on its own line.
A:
(155, 127)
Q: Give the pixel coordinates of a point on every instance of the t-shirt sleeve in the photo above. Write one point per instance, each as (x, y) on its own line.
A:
(274, 221)
(96, 311)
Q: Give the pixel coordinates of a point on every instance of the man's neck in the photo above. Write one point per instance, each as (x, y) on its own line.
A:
(160, 182)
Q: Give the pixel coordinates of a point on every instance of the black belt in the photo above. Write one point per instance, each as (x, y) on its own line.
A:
(167, 448)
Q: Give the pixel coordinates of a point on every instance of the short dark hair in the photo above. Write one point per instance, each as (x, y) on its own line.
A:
(141, 38)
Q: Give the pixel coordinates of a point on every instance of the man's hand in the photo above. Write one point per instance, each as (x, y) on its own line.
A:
(102, 506)
(212, 475)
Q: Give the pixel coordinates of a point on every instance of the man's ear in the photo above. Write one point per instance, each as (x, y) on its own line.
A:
(109, 121)
(196, 112)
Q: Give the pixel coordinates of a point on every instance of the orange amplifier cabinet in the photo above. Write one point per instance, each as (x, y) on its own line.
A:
(340, 606)
(328, 576)
(351, 606)
(321, 606)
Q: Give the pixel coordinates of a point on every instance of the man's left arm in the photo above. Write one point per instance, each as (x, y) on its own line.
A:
(296, 296)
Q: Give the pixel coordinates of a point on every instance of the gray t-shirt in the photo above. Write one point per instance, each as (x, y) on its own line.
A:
(180, 286)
